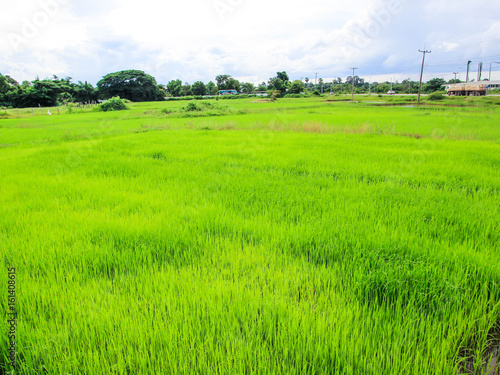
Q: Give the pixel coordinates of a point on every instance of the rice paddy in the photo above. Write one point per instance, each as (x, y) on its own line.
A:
(305, 236)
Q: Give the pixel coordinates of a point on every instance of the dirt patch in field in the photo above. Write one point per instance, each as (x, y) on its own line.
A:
(410, 135)
(319, 128)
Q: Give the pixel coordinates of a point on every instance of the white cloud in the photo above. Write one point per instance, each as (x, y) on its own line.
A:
(195, 40)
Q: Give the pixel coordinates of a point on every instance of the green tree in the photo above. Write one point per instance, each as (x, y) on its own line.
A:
(134, 85)
(198, 88)
(280, 82)
(247, 87)
(4, 85)
(186, 90)
(212, 88)
(233, 84)
(222, 81)
(283, 76)
(11, 81)
(358, 82)
(434, 85)
(297, 87)
(174, 87)
(226, 82)
(85, 92)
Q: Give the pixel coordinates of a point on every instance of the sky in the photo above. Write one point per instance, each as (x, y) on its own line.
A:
(196, 40)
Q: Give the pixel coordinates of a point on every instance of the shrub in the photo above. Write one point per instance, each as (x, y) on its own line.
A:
(316, 93)
(198, 106)
(113, 104)
(436, 96)
(192, 106)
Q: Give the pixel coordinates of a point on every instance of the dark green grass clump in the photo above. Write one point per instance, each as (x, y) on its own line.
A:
(113, 104)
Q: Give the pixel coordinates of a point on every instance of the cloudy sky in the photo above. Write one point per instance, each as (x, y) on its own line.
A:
(249, 39)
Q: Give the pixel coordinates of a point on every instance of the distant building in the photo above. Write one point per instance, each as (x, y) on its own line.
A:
(228, 92)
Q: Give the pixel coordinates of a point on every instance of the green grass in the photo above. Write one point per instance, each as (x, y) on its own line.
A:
(304, 236)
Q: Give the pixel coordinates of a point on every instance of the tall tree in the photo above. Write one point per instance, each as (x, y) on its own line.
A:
(186, 90)
(434, 85)
(247, 87)
(222, 81)
(134, 85)
(85, 92)
(283, 76)
(211, 88)
(198, 88)
(280, 82)
(174, 87)
(296, 87)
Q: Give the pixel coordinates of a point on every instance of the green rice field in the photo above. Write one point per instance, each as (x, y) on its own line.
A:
(304, 236)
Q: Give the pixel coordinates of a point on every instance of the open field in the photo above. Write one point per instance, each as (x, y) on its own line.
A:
(305, 236)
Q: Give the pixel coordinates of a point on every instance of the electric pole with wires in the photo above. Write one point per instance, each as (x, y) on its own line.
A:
(421, 73)
(352, 89)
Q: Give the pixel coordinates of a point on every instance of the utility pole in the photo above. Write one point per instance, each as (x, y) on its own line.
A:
(421, 73)
(468, 65)
(455, 75)
(495, 62)
(352, 90)
(315, 80)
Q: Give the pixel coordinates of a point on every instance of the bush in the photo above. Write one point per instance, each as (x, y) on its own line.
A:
(436, 96)
(192, 106)
(113, 104)
(316, 93)
(198, 106)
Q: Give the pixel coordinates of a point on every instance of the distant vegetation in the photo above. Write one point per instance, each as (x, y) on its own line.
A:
(137, 86)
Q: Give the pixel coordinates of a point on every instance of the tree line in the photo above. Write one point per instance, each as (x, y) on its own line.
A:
(137, 86)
